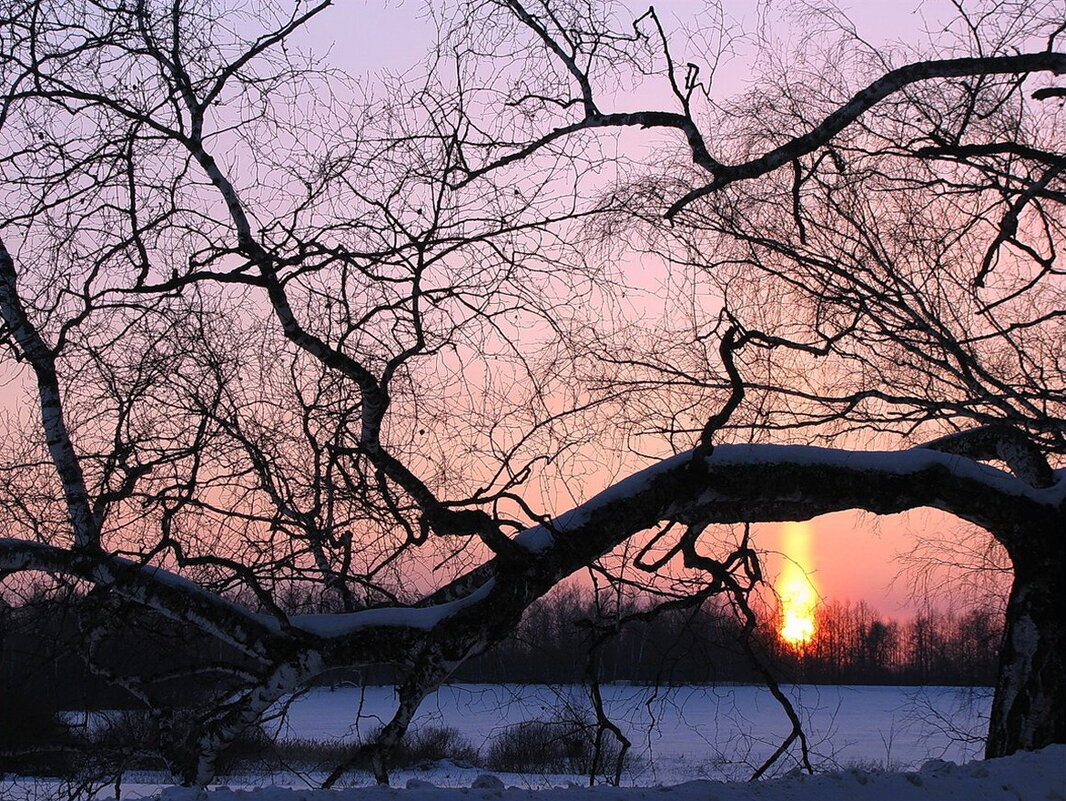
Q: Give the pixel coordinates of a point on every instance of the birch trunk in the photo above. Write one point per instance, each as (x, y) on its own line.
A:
(1029, 707)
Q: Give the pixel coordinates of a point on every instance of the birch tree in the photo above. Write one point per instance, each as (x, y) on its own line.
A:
(883, 228)
(271, 331)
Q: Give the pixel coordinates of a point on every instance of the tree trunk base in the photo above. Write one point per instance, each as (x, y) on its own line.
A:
(1029, 708)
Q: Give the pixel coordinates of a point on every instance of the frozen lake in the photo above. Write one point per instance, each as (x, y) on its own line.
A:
(683, 733)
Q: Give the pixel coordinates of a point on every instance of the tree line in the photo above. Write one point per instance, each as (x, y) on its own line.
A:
(43, 646)
(853, 645)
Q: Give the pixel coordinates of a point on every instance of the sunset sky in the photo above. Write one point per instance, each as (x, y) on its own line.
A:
(372, 340)
(853, 555)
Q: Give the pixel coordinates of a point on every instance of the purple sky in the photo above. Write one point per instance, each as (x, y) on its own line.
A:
(853, 554)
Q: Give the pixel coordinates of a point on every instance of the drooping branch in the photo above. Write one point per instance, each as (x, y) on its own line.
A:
(787, 153)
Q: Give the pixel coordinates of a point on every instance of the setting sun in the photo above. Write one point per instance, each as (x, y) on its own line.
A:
(795, 589)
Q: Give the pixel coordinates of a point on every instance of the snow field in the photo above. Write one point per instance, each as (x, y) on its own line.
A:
(1039, 776)
(687, 732)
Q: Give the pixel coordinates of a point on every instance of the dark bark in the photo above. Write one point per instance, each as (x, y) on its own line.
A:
(1029, 708)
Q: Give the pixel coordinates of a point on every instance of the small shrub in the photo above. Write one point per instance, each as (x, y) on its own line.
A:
(252, 750)
(309, 754)
(433, 744)
(133, 733)
(558, 745)
(134, 741)
(418, 747)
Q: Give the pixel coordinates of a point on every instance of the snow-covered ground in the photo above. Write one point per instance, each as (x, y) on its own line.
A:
(1023, 777)
(691, 732)
(684, 738)
(1039, 776)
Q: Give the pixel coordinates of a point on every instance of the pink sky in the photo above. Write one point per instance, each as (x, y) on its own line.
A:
(854, 554)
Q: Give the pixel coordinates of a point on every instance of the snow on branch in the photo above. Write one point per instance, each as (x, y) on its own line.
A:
(1005, 443)
(169, 594)
(332, 626)
(734, 483)
(762, 483)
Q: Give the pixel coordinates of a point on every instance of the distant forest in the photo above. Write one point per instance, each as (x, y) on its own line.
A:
(43, 643)
(853, 645)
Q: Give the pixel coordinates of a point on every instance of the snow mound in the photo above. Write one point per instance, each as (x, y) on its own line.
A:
(1034, 776)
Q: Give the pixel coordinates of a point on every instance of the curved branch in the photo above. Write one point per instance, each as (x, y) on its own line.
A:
(767, 483)
(167, 593)
(888, 84)
(1005, 443)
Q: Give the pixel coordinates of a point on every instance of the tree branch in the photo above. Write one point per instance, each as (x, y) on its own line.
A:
(888, 84)
(1004, 443)
(85, 526)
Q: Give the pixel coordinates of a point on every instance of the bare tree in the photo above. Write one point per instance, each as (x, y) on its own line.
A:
(279, 333)
(887, 261)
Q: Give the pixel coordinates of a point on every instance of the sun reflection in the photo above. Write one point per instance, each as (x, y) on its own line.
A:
(795, 589)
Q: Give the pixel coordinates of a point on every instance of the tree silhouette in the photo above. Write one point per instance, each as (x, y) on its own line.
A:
(280, 334)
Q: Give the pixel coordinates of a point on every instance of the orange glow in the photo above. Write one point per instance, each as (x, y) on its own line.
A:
(795, 589)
